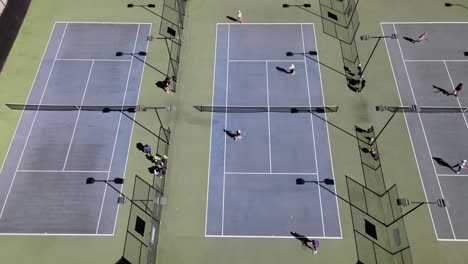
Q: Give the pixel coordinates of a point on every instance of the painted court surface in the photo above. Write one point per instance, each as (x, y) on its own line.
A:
(252, 182)
(422, 72)
(42, 185)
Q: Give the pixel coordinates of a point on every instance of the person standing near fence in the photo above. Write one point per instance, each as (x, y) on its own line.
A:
(167, 84)
(147, 149)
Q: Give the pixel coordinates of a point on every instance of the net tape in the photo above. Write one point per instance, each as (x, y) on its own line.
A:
(100, 108)
(261, 109)
(421, 109)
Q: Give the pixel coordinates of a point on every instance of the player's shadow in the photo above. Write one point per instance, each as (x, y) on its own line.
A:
(304, 240)
(140, 146)
(230, 133)
(410, 39)
(440, 90)
(150, 158)
(161, 85)
(232, 18)
(443, 163)
(282, 70)
(152, 169)
(365, 150)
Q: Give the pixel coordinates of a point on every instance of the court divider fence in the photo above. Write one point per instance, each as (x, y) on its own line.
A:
(171, 26)
(144, 221)
(378, 222)
(340, 20)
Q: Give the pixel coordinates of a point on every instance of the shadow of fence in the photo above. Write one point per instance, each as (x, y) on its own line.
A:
(379, 228)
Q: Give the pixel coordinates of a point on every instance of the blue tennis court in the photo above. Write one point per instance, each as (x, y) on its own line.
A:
(425, 75)
(42, 182)
(252, 188)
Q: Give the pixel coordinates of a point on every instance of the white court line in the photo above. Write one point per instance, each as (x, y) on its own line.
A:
(211, 132)
(117, 131)
(268, 115)
(225, 125)
(54, 234)
(453, 240)
(60, 171)
(435, 60)
(119, 23)
(424, 133)
(105, 60)
(34, 120)
(266, 24)
(133, 124)
(265, 60)
(312, 130)
(272, 236)
(458, 100)
(452, 175)
(326, 127)
(409, 132)
(270, 173)
(391, 23)
(78, 116)
(29, 95)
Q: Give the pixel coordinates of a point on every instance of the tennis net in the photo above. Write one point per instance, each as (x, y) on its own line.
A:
(261, 109)
(421, 109)
(100, 108)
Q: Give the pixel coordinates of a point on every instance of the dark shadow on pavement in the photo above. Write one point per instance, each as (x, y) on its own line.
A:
(150, 158)
(232, 18)
(348, 71)
(304, 240)
(410, 39)
(160, 84)
(140, 146)
(282, 70)
(440, 90)
(360, 130)
(443, 163)
(152, 169)
(229, 133)
(352, 88)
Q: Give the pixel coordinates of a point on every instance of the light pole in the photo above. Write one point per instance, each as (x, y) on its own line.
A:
(313, 53)
(301, 181)
(302, 5)
(140, 53)
(403, 202)
(367, 37)
(154, 13)
(123, 198)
